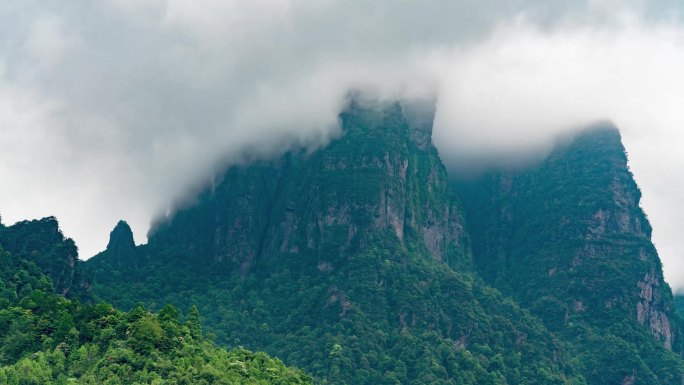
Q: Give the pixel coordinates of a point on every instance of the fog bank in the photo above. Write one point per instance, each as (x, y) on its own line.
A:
(112, 110)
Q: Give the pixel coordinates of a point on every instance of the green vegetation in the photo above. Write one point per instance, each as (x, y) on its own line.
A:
(356, 263)
(385, 317)
(567, 239)
(679, 303)
(350, 262)
(41, 242)
(48, 339)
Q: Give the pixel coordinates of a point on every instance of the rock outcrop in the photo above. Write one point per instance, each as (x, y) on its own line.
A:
(121, 245)
(571, 228)
(320, 207)
(351, 261)
(357, 261)
(42, 242)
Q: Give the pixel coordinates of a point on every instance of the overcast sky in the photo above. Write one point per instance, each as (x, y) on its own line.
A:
(114, 109)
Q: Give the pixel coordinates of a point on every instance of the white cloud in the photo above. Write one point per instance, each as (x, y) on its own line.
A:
(113, 109)
(49, 41)
(521, 87)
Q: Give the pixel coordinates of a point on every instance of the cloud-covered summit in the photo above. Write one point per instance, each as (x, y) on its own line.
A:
(113, 109)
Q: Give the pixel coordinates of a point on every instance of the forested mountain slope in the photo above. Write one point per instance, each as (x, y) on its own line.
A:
(41, 242)
(48, 339)
(568, 240)
(351, 262)
(679, 303)
(358, 263)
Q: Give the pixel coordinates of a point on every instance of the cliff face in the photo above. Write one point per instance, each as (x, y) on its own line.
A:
(382, 175)
(571, 228)
(41, 242)
(356, 262)
(351, 261)
(568, 239)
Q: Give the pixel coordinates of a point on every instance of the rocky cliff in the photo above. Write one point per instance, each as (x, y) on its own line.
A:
(383, 174)
(42, 242)
(357, 262)
(568, 239)
(571, 228)
(351, 261)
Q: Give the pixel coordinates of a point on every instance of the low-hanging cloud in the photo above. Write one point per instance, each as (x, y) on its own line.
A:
(113, 110)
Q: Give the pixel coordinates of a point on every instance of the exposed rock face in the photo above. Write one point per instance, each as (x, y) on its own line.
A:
(653, 310)
(571, 229)
(320, 207)
(419, 116)
(41, 242)
(357, 249)
(361, 244)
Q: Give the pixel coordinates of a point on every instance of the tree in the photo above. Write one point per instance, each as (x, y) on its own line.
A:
(194, 322)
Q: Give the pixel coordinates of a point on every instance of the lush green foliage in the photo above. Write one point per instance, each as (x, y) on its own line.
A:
(679, 303)
(47, 339)
(386, 317)
(355, 263)
(41, 242)
(568, 240)
(350, 262)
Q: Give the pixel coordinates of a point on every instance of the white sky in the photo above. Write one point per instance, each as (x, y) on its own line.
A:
(114, 109)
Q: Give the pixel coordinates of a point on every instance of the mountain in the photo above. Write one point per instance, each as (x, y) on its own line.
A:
(363, 263)
(679, 303)
(351, 262)
(47, 339)
(41, 242)
(568, 240)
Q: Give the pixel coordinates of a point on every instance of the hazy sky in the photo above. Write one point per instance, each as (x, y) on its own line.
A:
(113, 109)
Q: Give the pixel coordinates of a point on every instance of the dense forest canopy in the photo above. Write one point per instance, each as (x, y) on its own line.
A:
(46, 338)
(363, 263)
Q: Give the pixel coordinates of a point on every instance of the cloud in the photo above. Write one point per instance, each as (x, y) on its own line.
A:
(49, 41)
(115, 109)
(517, 90)
(523, 85)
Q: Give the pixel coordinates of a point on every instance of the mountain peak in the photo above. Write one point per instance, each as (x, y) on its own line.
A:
(42, 242)
(420, 115)
(121, 238)
(363, 245)
(575, 217)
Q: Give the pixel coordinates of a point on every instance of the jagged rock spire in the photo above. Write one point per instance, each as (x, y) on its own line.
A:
(121, 239)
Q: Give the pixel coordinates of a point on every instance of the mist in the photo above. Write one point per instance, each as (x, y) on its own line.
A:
(114, 110)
